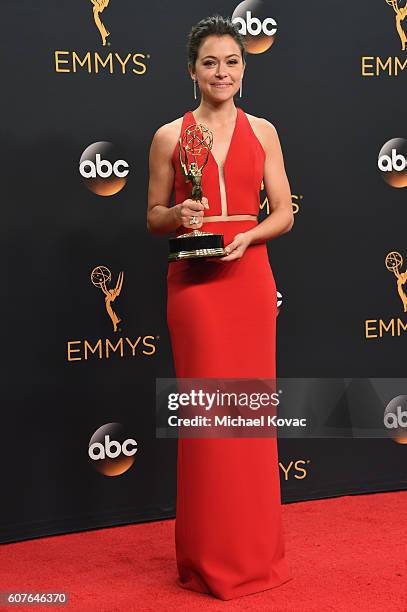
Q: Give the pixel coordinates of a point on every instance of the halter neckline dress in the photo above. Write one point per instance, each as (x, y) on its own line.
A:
(222, 322)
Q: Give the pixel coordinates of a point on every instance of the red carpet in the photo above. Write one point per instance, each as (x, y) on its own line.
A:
(347, 553)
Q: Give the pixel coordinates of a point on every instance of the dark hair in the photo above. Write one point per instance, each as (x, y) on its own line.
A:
(214, 25)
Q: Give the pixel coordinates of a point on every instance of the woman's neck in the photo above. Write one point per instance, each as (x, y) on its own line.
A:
(216, 114)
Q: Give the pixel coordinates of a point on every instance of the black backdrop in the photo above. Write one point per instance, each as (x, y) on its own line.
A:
(333, 117)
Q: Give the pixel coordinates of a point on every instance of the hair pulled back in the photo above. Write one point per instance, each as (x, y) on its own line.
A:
(216, 25)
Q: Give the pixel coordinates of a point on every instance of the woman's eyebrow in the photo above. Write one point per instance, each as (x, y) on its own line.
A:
(214, 57)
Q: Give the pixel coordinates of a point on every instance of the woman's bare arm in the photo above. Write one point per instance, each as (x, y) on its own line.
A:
(281, 217)
(161, 218)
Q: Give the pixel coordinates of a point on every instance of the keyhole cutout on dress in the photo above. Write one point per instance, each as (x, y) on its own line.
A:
(222, 189)
(221, 167)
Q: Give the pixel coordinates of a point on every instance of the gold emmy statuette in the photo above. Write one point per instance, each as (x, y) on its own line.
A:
(98, 7)
(101, 277)
(393, 262)
(401, 14)
(194, 147)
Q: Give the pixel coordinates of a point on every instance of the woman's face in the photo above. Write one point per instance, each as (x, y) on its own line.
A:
(219, 67)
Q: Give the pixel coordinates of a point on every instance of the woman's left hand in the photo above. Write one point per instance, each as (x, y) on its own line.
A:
(235, 249)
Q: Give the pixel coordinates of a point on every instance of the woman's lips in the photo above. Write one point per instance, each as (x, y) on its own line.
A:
(221, 85)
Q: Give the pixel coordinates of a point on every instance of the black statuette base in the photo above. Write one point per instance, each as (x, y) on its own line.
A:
(195, 247)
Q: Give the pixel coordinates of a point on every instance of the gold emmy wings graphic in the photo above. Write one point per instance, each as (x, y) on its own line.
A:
(401, 14)
(98, 7)
(101, 277)
(393, 262)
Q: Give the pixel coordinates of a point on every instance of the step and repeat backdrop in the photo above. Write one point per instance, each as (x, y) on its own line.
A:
(85, 86)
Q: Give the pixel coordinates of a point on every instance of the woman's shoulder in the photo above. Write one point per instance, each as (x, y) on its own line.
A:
(169, 130)
(167, 135)
(263, 129)
(260, 123)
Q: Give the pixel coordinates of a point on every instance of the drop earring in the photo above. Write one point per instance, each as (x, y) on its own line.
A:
(194, 88)
(240, 94)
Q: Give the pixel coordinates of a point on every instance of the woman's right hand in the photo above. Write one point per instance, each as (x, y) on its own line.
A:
(191, 208)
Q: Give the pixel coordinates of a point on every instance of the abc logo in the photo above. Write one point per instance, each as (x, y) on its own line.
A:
(255, 25)
(279, 301)
(102, 169)
(111, 451)
(392, 162)
(395, 419)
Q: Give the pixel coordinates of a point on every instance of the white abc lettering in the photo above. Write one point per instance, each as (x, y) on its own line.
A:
(125, 449)
(271, 22)
(254, 26)
(99, 166)
(89, 169)
(98, 451)
(241, 22)
(397, 161)
(393, 421)
(116, 166)
(91, 172)
(108, 446)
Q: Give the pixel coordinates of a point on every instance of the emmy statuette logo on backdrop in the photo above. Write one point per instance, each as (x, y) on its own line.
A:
(376, 66)
(81, 350)
(101, 277)
(98, 7)
(401, 13)
(394, 327)
(393, 262)
(119, 61)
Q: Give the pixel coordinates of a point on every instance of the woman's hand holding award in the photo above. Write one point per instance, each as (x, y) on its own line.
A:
(194, 147)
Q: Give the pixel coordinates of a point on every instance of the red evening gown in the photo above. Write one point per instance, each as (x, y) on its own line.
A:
(222, 323)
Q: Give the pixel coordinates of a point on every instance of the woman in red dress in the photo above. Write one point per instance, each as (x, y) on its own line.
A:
(221, 314)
